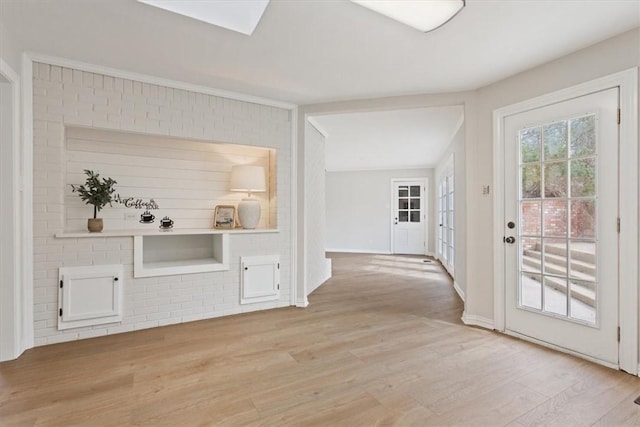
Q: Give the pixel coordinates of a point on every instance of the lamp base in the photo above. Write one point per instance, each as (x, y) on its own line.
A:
(249, 213)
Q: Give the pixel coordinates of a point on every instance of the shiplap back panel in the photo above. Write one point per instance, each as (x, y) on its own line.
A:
(186, 178)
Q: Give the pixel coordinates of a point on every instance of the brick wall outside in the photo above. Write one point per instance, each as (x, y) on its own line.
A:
(62, 97)
(555, 218)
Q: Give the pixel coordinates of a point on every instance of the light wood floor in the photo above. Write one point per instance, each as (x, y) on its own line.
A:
(380, 344)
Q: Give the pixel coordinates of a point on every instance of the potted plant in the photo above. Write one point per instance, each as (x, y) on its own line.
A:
(97, 192)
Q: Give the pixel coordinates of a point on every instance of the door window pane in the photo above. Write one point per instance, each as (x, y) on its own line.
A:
(583, 300)
(415, 191)
(403, 216)
(403, 203)
(555, 257)
(530, 182)
(555, 295)
(583, 136)
(583, 219)
(555, 140)
(531, 291)
(555, 218)
(415, 203)
(530, 218)
(583, 177)
(530, 144)
(531, 254)
(415, 216)
(555, 179)
(582, 260)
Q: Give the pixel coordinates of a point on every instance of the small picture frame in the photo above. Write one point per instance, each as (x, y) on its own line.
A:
(224, 217)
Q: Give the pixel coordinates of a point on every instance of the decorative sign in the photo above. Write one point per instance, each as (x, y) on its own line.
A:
(133, 203)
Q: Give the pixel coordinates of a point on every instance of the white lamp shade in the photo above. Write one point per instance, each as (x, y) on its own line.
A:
(247, 178)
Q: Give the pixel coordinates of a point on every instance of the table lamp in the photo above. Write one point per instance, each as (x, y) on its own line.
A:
(250, 179)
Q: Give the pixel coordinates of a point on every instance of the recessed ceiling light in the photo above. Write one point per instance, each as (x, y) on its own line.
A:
(241, 16)
(423, 15)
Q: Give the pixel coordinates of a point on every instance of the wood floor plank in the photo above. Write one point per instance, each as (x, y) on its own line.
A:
(380, 344)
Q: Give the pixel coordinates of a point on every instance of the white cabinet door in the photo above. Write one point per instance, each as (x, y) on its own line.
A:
(89, 296)
(260, 278)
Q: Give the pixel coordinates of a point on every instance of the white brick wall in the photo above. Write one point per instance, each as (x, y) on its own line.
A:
(66, 97)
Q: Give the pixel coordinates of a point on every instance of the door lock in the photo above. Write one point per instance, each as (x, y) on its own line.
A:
(510, 239)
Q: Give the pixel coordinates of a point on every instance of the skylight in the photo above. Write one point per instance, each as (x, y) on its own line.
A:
(241, 16)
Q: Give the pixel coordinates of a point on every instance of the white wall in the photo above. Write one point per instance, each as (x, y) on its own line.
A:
(359, 213)
(66, 97)
(11, 262)
(9, 51)
(457, 149)
(317, 265)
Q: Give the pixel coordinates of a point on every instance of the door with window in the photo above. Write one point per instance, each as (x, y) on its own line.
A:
(409, 217)
(560, 231)
(446, 216)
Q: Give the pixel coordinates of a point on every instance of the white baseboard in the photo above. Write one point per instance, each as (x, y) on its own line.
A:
(328, 270)
(302, 302)
(472, 320)
(359, 251)
(458, 290)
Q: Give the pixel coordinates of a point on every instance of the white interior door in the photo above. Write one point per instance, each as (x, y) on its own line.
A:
(561, 233)
(409, 217)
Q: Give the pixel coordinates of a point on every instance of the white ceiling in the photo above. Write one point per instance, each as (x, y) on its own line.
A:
(401, 139)
(314, 51)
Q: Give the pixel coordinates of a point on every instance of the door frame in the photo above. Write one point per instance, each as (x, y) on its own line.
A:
(449, 165)
(392, 208)
(627, 81)
(12, 342)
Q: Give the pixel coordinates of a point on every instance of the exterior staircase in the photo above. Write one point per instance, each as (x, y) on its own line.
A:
(582, 266)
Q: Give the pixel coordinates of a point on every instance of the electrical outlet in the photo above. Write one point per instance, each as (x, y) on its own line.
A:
(486, 190)
(129, 216)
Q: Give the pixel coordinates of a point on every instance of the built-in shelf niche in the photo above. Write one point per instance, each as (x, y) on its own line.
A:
(170, 254)
(185, 177)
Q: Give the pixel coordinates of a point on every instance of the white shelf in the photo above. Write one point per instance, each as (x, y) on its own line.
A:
(166, 254)
(166, 268)
(158, 232)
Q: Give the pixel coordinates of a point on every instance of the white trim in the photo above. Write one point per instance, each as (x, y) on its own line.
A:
(455, 130)
(472, 320)
(358, 251)
(386, 168)
(628, 310)
(27, 200)
(293, 291)
(11, 345)
(160, 81)
(560, 349)
(313, 122)
(301, 215)
(459, 290)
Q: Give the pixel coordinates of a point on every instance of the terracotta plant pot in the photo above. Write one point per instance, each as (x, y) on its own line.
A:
(95, 225)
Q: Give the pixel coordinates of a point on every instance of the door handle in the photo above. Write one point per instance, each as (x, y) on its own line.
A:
(510, 239)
